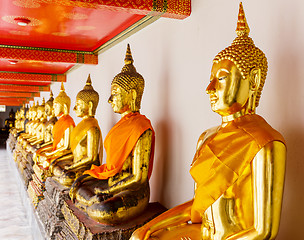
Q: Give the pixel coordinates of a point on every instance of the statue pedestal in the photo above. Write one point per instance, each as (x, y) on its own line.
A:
(49, 209)
(11, 142)
(86, 228)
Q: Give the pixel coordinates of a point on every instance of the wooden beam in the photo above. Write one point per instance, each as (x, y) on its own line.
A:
(20, 94)
(47, 55)
(23, 88)
(24, 78)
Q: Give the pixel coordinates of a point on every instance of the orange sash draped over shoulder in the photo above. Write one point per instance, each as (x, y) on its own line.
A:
(120, 142)
(81, 130)
(60, 126)
(220, 161)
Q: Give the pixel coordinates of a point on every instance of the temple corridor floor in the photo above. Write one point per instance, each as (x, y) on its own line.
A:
(14, 224)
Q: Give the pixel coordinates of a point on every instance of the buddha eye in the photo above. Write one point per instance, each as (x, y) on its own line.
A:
(222, 78)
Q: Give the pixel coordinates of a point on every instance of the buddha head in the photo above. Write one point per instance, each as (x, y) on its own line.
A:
(17, 115)
(86, 100)
(40, 109)
(34, 111)
(48, 108)
(238, 74)
(127, 87)
(62, 103)
(21, 111)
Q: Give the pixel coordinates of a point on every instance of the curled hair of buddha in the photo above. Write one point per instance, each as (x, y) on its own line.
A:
(63, 98)
(88, 94)
(50, 101)
(244, 54)
(129, 78)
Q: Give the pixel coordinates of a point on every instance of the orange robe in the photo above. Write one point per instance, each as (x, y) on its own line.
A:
(120, 142)
(60, 126)
(222, 159)
(81, 130)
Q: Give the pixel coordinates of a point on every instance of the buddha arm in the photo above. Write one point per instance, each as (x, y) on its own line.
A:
(66, 142)
(173, 217)
(92, 150)
(268, 169)
(140, 165)
(39, 134)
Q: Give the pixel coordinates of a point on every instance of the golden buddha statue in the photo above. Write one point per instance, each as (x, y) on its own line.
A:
(61, 132)
(19, 123)
(47, 144)
(9, 123)
(36, 186)
(39, 130)
(16, 124)
(119, 189)
(239, 166)
(85, 139)
(29, 125)
(49, 125)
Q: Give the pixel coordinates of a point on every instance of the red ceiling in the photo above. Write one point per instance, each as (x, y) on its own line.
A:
(59, 26)
(62, 33)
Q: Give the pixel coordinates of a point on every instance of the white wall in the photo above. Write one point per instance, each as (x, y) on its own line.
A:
(175, 58)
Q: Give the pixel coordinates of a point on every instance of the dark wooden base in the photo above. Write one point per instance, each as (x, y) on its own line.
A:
(86, 228)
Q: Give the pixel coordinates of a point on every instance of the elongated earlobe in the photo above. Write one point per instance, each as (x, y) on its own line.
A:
(255, 80)
(65, 109)
(91, 108)
(133, 101)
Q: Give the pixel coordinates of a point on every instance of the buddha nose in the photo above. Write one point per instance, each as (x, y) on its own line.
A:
(110, 100)
(211, 87)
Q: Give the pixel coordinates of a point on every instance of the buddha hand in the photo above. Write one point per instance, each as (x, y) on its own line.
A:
(75, 186)
(141, 234)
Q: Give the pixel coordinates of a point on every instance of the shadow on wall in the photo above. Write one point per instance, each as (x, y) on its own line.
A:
(163, 189)
(288, 86)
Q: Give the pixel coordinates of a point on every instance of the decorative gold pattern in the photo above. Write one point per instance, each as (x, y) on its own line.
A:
(60, 34)
(21, 33)
(85, 28)
(27, 3)
(76, 16)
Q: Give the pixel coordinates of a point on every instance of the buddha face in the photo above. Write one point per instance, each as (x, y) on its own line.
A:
(34, 113)
(48, 109)
(81, 108)
(120, 99)
(58, 108)
(228, 91)
(39, 113)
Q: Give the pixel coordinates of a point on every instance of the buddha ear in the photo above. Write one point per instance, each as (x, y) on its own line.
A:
(133, 100)
(91, 108)
(65, 109)
(255, 79)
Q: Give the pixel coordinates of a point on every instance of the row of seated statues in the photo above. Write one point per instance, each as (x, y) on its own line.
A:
(238, 167)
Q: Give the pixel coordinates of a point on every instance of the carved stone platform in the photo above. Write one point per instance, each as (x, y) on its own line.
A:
(86, 228)
(49, 209)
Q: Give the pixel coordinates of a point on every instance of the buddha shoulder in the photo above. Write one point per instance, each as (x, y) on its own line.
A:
(206, 135)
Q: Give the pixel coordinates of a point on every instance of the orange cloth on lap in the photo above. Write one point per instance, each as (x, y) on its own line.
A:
(220, 161)
(120, 142)
(60, 126)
